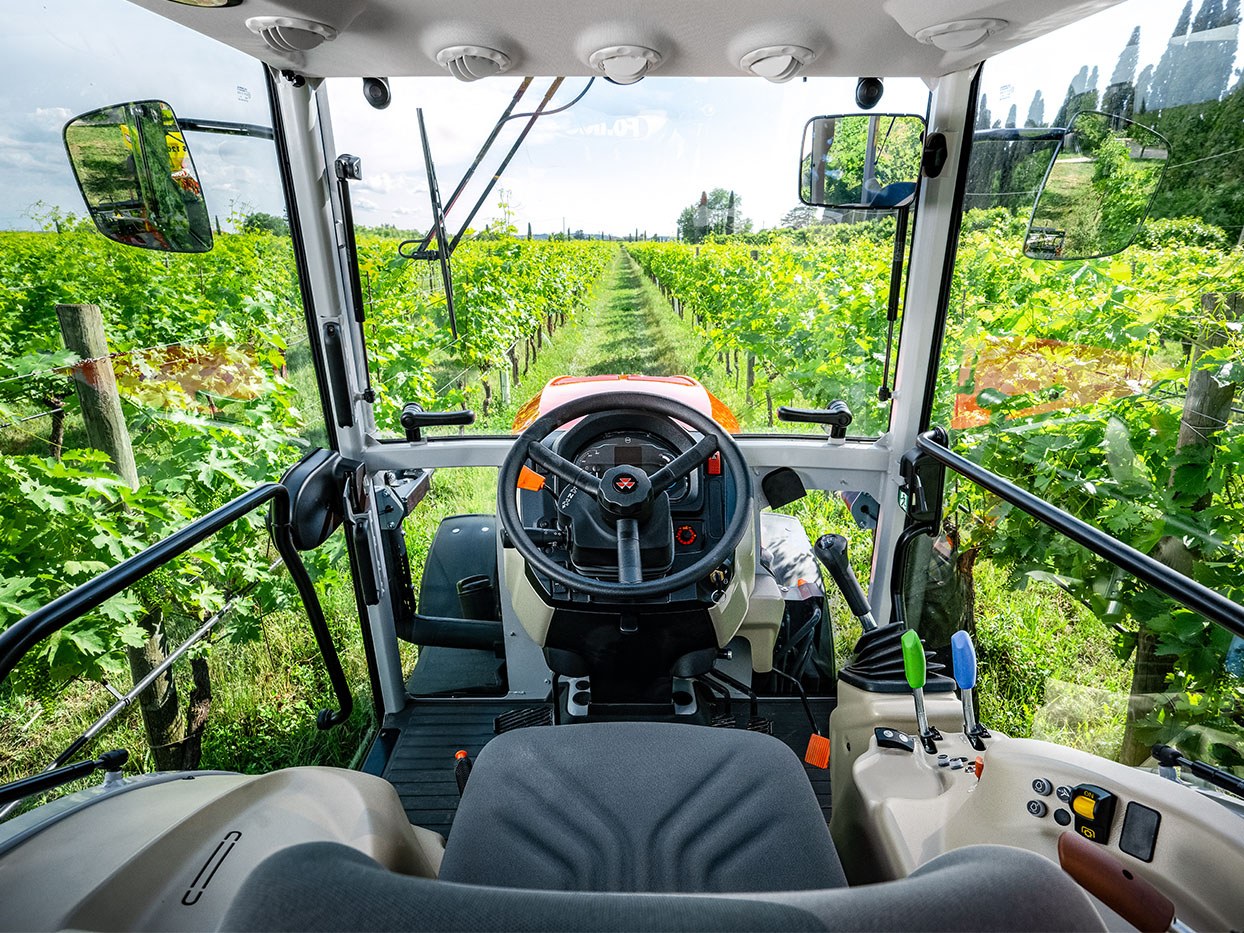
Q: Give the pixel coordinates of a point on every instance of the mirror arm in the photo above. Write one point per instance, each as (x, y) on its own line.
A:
(226, 128)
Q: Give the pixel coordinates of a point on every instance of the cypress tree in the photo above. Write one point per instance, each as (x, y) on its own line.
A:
(1036, 111)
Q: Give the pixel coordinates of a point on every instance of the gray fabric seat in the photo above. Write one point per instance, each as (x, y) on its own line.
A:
(327, 886)
(631, 806)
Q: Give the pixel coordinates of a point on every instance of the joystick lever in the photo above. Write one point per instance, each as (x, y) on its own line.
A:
(963, 655)
(916, 669)
(831, 551)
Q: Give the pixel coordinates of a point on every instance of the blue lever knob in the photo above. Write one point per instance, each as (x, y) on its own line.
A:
(963, 656)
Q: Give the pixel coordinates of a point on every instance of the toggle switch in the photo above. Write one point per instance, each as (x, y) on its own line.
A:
(1093, 807)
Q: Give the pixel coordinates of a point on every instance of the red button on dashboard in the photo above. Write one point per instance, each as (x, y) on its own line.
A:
(713, 466)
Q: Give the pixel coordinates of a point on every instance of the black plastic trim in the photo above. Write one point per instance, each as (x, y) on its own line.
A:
(1184, 590)
(952, 252)
(300, 253)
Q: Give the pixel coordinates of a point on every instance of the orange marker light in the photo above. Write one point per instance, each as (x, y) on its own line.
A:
(530, 479)
(817, 754)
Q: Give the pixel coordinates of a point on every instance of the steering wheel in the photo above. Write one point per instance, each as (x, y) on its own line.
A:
(624, 495)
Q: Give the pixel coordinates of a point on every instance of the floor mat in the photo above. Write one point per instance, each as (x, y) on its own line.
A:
(421, 765)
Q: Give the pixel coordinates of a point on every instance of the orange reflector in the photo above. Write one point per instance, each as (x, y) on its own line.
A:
(817, 754)
(460, 754)
(530, 479)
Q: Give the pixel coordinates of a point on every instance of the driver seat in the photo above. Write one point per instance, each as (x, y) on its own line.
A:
(561, 826)
(640, 807)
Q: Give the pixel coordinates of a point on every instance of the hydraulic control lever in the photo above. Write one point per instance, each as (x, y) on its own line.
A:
(831, 551)
(963, 656)
(916, 669)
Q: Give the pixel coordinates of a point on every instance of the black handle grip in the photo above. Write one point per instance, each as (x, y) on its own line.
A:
(831, 551)
(335, 354)
(414, 419)
(838, 416)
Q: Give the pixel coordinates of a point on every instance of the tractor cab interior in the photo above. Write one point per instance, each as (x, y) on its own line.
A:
(632, 705)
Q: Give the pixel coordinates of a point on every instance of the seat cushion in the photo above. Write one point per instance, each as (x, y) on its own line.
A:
(640, 807)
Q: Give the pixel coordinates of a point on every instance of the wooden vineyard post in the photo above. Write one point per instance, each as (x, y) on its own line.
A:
(175, 743)
(82, 327)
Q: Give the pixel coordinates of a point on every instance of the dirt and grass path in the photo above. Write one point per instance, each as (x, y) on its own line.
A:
(630, 328)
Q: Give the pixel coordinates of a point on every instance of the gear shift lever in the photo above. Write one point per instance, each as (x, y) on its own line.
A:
(963, 655)
(831, 551)
(915, 667)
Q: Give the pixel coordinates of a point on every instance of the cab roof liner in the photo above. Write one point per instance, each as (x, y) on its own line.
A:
(694, 38)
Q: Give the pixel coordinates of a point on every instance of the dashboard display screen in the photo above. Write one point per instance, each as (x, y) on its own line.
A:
(632, 456)
(637, 449)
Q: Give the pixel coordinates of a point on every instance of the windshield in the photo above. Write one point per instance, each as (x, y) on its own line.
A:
(654, 229)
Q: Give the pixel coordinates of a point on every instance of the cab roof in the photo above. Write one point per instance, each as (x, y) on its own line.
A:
(695, 38)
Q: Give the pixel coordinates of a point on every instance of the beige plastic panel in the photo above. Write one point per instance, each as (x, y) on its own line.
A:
(729, 612)
(733, 614)
(534, 614)
(914, 811)
(171, 856)
(850, 729)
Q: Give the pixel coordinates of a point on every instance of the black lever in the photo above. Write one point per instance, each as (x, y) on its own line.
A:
(19, 790)
(415, 419)
(1173, 758)
(837, 416)
(831, 551)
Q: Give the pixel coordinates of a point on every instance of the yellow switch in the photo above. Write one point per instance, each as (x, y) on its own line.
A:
(1086, 807)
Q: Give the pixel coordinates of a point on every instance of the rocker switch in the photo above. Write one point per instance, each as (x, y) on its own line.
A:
(1093, 807)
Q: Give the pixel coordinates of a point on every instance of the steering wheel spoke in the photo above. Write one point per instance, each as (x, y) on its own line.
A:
(683, 464)
(630, 562)
(563, 469)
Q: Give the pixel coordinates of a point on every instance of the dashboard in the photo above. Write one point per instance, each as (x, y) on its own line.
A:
(632, 448)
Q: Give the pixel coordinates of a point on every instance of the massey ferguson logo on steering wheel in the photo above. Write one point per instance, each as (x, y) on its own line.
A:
(624, 483)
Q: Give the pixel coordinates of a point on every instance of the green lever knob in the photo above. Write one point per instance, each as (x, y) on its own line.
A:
(913, 660)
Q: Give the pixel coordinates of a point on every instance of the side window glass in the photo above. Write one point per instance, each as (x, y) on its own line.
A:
(140, 390)
(1110, 387)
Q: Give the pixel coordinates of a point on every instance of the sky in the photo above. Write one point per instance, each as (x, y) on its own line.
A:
(622, 159)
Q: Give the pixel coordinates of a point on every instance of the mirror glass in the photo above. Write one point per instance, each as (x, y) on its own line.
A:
(137, 177)
(861, 161)
(1098, 189)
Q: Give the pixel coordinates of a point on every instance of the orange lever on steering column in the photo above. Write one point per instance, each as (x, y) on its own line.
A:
(530, 479)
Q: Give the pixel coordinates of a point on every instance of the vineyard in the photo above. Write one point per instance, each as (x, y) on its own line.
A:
(1084, 382)
(211, 358)
(1073, 379)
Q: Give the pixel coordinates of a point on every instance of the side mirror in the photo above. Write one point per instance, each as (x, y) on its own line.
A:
(1098, 189)
(137, 177)
(861, 161)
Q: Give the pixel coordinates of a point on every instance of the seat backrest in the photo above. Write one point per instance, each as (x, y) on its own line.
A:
(634, 806)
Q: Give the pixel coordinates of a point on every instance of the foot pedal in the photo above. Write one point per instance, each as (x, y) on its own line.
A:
(724, 721)
(760, 724)
(523, 719)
